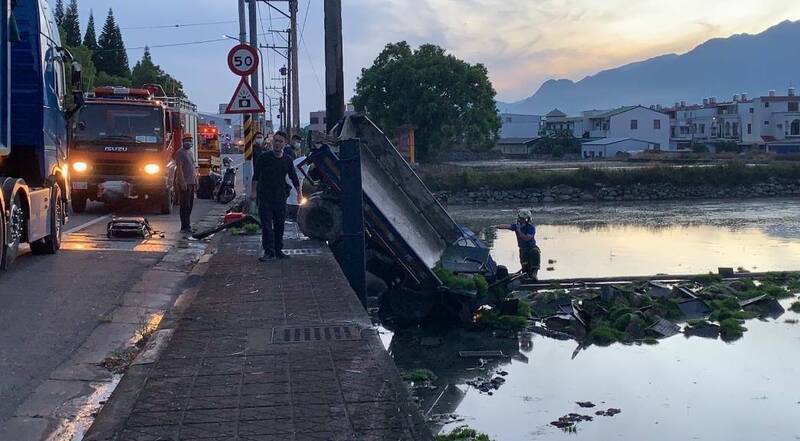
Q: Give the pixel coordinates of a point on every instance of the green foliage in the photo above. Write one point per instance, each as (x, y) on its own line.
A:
(463, 433)
(449, 102)
(59, 13)
(455, 178)
(104, 79)
(71, 25)
(419, 375)
(523, 309)
(147, 72)
(731, 329)
(708, 279)
(795, 307)
(604, 335)
(88, 70)
(491, 320)
(90, 37)
(557, 143)
(111, 57)
(476, 283)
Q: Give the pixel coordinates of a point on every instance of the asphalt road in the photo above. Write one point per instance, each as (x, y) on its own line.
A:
(49, 305)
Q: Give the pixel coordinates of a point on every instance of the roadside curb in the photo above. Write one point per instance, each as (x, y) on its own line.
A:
(120, 403)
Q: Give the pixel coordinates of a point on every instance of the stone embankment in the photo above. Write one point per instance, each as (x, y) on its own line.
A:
(635, 192)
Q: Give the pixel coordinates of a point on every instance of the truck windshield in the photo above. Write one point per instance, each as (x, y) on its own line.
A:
(115, 122)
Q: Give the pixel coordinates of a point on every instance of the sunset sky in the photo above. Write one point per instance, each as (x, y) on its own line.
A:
(522, 42)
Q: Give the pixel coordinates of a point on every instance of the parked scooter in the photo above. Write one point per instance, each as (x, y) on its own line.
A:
(225, 190)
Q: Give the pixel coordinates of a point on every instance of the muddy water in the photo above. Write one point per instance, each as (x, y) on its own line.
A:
(682, 388)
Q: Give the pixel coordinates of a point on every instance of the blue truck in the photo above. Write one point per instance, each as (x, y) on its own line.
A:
(34, 113)
(411, 240)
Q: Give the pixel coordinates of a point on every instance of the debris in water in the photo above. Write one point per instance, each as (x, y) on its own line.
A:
(551, 261)
(609, 412)
(481, 354)
(584, 403)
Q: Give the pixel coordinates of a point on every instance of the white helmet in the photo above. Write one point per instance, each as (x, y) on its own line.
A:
(524, 214)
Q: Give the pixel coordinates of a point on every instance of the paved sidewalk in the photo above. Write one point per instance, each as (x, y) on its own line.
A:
(266, 351)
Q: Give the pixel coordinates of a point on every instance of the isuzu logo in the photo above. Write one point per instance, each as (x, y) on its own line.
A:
(116, 149)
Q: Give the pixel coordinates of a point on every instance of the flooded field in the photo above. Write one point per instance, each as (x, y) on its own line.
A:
(684, 388)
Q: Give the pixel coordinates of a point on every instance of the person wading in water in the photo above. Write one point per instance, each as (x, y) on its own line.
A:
(529, 253)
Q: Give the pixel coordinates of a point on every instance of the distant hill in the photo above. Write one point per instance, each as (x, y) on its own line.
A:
(719, 67)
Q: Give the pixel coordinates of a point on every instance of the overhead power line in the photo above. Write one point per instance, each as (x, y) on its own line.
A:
(180, 25)
(154, 46)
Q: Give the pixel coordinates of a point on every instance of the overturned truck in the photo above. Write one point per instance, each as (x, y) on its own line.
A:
(417, 257)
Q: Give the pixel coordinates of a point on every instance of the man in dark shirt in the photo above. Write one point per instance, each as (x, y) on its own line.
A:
(529, 253)
(270, 192)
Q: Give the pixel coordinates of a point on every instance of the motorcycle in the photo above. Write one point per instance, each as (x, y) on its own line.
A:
(225, 190)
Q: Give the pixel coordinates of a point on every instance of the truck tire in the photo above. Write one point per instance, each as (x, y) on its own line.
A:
(14, 226)
(52, 243)
(320, 218)
(78, 202)
(166, 202)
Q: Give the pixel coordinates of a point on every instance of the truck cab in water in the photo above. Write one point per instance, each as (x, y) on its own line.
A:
(34, 184)
(123, 145)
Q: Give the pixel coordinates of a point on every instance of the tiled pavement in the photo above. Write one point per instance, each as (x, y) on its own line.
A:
(229, 373)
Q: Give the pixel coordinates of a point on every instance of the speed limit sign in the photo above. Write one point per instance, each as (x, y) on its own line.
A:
(243, 60)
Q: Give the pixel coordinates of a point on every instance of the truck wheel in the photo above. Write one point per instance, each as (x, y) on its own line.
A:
(166, 202)
(78, 202)
(52, 243)
(2, 238)
(16, 223)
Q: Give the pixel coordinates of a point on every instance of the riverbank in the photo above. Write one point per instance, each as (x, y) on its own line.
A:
(470, 186)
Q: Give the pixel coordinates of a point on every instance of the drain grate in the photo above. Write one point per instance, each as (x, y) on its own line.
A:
(310, 334)
(303, 251)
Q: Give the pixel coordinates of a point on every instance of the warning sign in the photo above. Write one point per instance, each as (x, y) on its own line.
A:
(244, 100)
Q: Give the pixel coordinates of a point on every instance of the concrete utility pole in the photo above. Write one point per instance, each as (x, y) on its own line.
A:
(252, 13)
(334, 71)
(294, 44)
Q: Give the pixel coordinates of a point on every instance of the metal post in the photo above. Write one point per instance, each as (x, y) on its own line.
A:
(353, 260)
(334, 75)
(295, 67)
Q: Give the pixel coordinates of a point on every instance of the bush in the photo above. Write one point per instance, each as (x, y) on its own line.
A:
(795, 307)
(463, 433)
(419, 375)
(731, 329)
(604, 335)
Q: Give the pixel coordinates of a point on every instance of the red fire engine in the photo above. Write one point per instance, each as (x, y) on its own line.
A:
(123, 145)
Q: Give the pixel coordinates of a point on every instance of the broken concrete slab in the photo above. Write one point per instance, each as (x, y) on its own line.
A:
(694, 308)
(664, 328)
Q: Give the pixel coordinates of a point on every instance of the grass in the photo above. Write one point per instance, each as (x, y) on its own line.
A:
(604, 335)
(419, 375)
(731, 329)
(463, 433)
(476, 283)
(455, 178)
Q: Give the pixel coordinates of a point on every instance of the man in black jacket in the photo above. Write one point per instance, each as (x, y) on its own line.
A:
(270, 191)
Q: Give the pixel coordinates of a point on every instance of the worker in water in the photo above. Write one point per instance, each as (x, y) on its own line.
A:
(186, 182)
(270, 191)
(529, 253)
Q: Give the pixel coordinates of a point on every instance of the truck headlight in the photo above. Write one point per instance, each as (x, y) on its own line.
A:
(152, 169)
(80, 166)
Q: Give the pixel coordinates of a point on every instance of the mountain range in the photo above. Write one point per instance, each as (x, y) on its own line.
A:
(721, 67)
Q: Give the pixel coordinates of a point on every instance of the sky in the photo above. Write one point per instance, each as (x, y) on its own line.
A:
(522, 42)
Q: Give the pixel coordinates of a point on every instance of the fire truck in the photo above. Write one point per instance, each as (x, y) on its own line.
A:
(34, 184)
(123, 146)
(208, 159)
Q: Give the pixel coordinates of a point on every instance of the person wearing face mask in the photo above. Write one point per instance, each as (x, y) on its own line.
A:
(270, 191)
(258, 146)
(186, 182)
(293, 149)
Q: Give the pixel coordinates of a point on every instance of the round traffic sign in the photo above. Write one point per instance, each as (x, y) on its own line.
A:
(243, 60)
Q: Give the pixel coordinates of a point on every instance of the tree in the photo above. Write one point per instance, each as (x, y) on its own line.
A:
(147, 72)
(71, 25)
(450, 102)
(104, 79)
(59, 14)
(90, 38)
(111, 57)
(557, 143)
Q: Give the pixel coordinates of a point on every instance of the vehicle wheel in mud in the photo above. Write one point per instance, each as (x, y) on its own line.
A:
(406, 306)
(52, 243)
(78, 202)
(14, 226)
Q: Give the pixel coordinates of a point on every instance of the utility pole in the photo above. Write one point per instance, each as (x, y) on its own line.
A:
(293, 46)
(247, 119)
(252, 12)
(334, 71)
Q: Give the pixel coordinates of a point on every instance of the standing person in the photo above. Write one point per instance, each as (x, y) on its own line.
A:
(293, 202)
(529, 253)
(293, 149)
(258, 146)
(271, 191)
(186, 181)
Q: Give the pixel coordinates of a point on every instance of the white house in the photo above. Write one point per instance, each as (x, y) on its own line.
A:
(636, 122)
(517, 133)
(611, 147)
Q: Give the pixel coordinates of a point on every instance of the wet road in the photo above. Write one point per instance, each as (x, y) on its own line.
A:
(51, 305)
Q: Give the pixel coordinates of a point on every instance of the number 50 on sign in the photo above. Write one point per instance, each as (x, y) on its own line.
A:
(243, 60)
